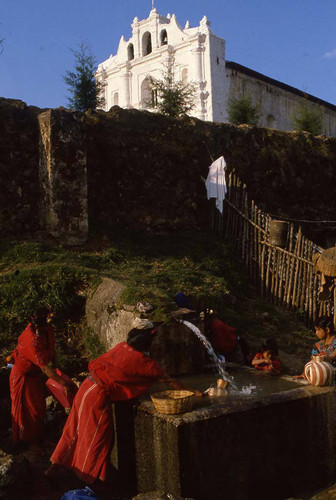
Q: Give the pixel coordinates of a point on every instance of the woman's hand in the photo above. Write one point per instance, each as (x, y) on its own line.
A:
(68, 385)
(299, 376)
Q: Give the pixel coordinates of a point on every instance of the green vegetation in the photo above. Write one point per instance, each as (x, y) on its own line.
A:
(154, 269)
(241, 110)
(308, 119)
(170, 97)
(85, 91)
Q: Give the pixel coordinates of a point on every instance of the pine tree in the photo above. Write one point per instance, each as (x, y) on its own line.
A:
(170, 97)
(308, 119)
(241, 110)
(85, 90)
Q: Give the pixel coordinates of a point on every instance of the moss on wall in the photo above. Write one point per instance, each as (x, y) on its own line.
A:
(154, 169)
(147, 171)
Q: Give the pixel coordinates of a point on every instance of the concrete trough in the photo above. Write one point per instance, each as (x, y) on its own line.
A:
(276, 445)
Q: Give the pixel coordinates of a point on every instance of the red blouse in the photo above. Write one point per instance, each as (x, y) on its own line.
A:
(34, 350)
(222, 336)
(125, 372)
(265, 367)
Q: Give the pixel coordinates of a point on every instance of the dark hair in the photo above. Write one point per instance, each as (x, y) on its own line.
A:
(140, 340)
(270, 344)
(40, 316)
(325, 322)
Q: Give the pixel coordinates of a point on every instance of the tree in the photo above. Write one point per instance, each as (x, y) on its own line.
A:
(168, 96)
(242, 110)
(85, 90)
(308, 119)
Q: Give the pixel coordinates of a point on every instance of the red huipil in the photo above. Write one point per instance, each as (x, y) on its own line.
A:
(222, 336)
(27, 384)
(121, 373)
(275, 366)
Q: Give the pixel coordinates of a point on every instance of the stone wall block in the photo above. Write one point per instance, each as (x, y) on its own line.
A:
(63, 176)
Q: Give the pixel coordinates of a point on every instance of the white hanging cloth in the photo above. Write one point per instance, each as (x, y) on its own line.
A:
(215, 183)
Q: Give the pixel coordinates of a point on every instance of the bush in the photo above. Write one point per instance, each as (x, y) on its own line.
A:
(241, 110)
(58, 288)
(170, 97)
(76, 344)
(308, 119)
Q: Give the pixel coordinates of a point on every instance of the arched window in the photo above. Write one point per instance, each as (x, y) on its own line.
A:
(115, 99)
(130, 52)
(146, 95)
(271, 122)
(184, 75)
(164, 37)
(146, 44)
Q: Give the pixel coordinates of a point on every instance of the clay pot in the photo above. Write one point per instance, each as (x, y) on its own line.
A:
(222, 383)
(319, 373)
(216, 391)
(220, 390)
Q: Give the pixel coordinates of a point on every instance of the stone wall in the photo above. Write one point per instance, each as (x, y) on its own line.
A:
(144, 171)
(218, 451)
(19, 157)
(279, 101)
(147, 171)
(154, 170)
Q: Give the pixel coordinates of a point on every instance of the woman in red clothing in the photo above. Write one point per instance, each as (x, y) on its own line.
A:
(266, 359)
(124, 372)
(31, 358)
(225, 340)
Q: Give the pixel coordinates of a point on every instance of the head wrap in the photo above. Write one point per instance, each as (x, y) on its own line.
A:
(141, 335)
(142, 324)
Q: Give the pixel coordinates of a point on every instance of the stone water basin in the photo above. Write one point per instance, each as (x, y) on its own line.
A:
(279, 441)
(247, 384)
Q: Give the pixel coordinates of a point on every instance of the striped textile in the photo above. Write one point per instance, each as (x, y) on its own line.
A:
(87, 435)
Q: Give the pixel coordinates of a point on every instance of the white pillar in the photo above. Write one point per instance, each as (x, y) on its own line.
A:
(126, 93)
(199, 78)
(198, 56)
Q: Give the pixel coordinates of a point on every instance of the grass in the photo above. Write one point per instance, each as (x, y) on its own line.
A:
(154, 269)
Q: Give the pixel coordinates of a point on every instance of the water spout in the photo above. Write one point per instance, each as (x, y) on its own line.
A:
(224, 375)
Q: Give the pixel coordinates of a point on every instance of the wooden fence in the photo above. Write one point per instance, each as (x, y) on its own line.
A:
(284, 274)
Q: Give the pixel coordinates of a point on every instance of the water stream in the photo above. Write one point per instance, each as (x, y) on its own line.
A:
(224, 375)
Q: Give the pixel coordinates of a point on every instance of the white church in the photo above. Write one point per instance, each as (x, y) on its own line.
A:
(199, 57)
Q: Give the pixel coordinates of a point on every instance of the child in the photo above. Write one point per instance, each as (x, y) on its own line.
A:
(326, 347)
(266, 359)
(324, 329)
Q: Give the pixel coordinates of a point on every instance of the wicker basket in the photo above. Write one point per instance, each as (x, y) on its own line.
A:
(173, 402)
(326, 264)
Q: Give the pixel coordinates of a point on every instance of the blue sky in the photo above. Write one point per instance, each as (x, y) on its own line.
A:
(293, 41)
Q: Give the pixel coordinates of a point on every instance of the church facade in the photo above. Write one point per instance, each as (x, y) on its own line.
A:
(199, 58)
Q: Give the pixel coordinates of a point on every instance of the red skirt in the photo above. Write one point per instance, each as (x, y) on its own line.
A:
(28, 395)
(85, 444)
